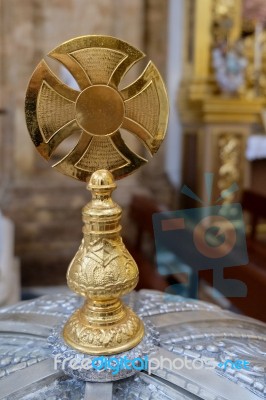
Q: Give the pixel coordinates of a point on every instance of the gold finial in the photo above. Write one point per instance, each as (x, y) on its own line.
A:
(102, 270)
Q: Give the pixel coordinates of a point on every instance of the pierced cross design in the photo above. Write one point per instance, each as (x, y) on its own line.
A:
(54, 111)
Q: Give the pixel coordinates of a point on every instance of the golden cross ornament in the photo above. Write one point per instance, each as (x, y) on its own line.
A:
(102, 270)
(54, 111)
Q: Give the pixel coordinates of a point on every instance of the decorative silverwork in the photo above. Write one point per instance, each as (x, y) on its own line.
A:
(187, 328)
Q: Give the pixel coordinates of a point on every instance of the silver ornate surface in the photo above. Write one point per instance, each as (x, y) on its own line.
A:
(187, 328)
(62, 351)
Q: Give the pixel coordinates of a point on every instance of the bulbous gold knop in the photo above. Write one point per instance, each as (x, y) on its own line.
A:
(102, 271)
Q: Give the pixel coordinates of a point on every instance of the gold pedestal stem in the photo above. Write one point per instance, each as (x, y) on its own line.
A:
(102, 271)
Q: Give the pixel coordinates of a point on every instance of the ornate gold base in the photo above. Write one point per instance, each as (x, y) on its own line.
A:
(103, 328)
(102, 271)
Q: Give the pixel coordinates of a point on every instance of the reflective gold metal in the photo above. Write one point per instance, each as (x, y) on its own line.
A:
(102, 270)
(55, 111)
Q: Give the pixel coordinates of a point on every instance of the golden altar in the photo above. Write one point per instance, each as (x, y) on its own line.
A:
(216, 125)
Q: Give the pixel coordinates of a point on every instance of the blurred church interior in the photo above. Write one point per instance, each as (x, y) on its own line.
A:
(212, 56)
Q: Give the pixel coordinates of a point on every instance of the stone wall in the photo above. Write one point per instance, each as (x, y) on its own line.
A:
(152, 175)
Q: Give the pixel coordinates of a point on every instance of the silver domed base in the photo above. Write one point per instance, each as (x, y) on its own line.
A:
(188, 329)
(93, 368)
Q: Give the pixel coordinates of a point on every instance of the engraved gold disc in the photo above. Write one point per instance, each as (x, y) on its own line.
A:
(54, 111)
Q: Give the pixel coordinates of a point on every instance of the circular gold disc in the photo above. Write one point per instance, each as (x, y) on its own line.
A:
(100, 110)
(55, 111)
